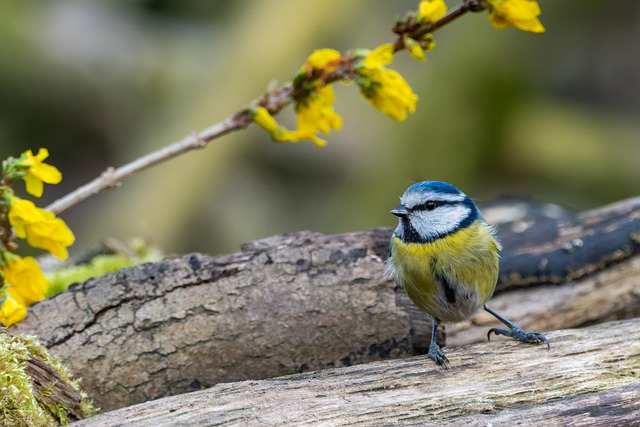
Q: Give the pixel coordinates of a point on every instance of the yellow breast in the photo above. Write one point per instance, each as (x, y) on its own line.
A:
(451, 277)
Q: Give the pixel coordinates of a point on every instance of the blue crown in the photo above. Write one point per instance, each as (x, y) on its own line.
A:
(434, 187)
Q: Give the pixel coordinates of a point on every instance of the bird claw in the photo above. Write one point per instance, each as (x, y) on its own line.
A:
(520, 335)
(438, 356)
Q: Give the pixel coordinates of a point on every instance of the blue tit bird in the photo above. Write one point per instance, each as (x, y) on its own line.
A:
(446, 257)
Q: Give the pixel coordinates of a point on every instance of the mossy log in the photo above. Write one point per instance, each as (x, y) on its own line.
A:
(590, 376)
(35, 389)
(306, 301)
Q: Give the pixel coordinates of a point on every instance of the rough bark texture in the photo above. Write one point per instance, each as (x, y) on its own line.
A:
(289, 304)
(546, 244)
(52, 390)
(306, 301)
(589, 377)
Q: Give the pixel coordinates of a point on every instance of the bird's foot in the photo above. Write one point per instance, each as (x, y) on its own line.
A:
(521, 335)
(437, 355)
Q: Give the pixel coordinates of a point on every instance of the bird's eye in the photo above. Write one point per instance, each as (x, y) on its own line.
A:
(430, 205)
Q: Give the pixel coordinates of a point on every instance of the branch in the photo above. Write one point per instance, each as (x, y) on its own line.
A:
(591, 373)
(416, 31)
(274, 101)
(111, 177)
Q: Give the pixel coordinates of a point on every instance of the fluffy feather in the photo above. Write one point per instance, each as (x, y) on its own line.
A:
(444, 254)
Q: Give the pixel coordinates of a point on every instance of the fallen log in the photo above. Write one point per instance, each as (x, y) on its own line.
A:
(305, 301)
(589, 376)
(35, 390)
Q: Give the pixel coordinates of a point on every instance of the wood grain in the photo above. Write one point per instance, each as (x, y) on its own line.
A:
(590, 376)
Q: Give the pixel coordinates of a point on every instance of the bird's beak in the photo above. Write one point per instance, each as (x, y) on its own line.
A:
(400, 211)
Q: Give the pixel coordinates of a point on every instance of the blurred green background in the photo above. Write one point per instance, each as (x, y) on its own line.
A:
(552, 116)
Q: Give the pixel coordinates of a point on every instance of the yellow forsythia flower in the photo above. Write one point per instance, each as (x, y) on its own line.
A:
(431, 10)
(317, 114)
(41, 228)
(320, 58)
(27, 285)
(379, 57)
(39, 172)
(26, 282)
(385, 89)
(264, 119)
(391, 94)
(315, 111)
(522, 14)
(12, 311)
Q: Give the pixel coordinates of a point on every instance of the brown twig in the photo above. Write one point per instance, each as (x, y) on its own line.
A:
(111, 177)
(416, 31)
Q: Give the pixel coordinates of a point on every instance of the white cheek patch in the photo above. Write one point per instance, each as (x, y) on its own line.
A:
(440, 221)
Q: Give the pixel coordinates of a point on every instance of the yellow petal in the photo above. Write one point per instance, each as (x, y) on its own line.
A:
(264, 119)
(415, 49)
(380, 56)
(39, 172)
(498, 21)
(12, 311)
(46, 173)
(41, 228)
(285, 135)
(34, 186)
(322, 57)
(522, 14)
(391, 94)
(317, 114)
(24, 212)
(318, 141)
(431, 10)
(52, 235)
(26, 282)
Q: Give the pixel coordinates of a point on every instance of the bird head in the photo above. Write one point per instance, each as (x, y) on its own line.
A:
(433, 209)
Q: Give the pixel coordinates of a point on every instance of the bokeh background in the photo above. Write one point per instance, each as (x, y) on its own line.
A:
(553, 116)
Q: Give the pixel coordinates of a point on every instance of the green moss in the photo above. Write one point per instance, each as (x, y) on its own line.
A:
(19, 406)
(100, 265)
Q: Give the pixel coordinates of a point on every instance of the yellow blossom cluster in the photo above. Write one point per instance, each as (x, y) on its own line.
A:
(522, 14)
(22, 278)
(428, 11)
(384, 88)
(315, 111)
(27, 285)
(41, 228)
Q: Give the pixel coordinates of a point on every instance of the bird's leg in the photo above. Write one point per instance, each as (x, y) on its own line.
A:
(515, 331)
(434, 351)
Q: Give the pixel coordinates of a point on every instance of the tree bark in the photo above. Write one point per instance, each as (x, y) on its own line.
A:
(287, 304)
(305, 301)
(589, 377)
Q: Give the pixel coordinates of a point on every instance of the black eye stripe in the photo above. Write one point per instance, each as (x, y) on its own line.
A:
(430, 205)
